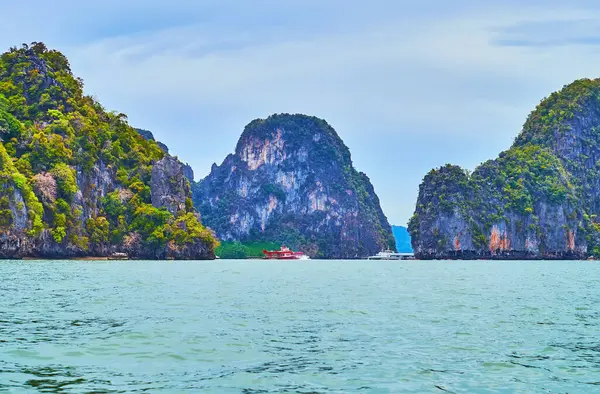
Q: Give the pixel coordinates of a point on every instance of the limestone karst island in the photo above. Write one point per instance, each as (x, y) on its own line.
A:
(291, 181)
(538, 200)
(78, 180)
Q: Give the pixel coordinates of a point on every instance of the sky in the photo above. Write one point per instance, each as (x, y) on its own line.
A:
(408, 85)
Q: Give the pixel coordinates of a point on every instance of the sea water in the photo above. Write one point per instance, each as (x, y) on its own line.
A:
(300, 327)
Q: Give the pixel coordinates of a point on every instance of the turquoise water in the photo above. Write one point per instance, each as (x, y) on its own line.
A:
(299, 327)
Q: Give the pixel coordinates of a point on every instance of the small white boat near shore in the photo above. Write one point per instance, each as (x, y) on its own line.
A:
(390, 255)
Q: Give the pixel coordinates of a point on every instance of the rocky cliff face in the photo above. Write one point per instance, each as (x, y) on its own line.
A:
(168, 186)
(147, 134)
(539, 199)
(291, 181)
(79, 181)
(188, 172)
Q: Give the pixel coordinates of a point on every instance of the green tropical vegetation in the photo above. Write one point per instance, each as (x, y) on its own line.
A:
(496, 191)
(83, 172)
(549, 177)
(239, 250)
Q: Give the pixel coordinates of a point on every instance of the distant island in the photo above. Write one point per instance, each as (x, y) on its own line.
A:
(77, 180)
(540, 199)
(403, 240)
(291, 181)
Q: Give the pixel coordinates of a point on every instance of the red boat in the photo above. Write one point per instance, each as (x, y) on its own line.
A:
(284, 254)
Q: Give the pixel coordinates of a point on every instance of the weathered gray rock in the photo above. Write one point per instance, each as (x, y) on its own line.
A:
(168, 186)
(92, 187)
(14, 245)
(188, 172)
(19, 211)
(147, 134)
(291, 181)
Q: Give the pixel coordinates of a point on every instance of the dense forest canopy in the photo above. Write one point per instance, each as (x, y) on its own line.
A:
(84, 174)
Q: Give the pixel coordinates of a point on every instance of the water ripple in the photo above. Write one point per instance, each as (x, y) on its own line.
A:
(310, 327)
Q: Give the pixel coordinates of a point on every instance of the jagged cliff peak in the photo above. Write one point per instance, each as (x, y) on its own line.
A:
(561, 111)
(78, 180)
(539, 199)
(291, 180)
(298, 128)
(147, 134)
(188, 172)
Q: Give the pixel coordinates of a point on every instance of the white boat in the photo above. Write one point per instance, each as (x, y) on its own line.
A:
(390, 255)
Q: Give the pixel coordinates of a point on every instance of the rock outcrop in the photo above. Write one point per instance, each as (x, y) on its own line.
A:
(168, 186)
(291, 181)
(539, 199)
(147, 134)
(188, 172)
(78, 181)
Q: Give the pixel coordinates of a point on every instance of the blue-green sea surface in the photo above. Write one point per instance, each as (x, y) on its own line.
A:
(299, 327)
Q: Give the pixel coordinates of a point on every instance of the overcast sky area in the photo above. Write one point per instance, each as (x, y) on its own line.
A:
(408, 85)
